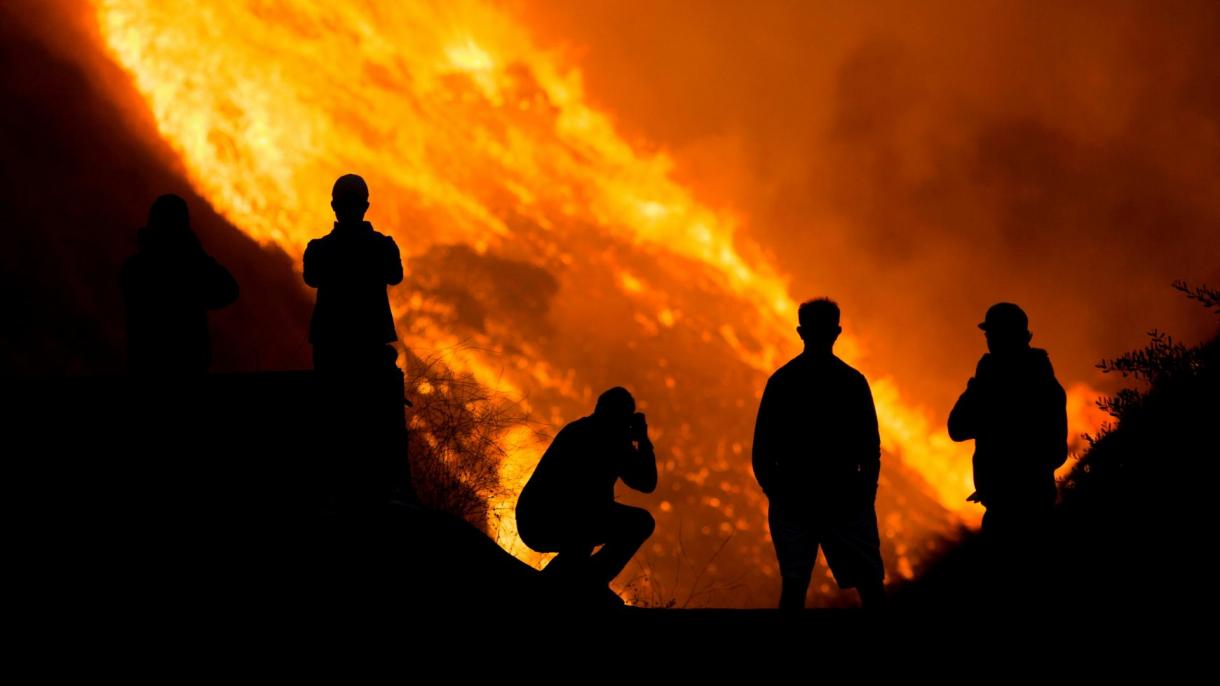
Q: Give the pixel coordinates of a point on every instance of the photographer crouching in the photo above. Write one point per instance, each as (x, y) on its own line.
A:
(568, 506)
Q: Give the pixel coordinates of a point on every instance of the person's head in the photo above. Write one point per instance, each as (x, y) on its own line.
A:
(1006, 328)
(169, 213)
(819, 323)
(349, 198)
(615, 405)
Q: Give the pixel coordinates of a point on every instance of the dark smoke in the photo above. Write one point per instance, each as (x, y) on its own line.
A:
(920, 161)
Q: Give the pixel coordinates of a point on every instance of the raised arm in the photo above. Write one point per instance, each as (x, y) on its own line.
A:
(963, 420)
(639, 465)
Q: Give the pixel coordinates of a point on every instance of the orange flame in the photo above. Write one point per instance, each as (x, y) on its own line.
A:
(468, 133)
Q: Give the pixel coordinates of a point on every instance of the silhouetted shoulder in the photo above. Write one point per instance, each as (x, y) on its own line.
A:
(854, 376)
(312, 259)
(807, 366)
(1045, 372)
(983, 365)
(565, 432)
(790, 369)
(576, 428)
(849, 371)
(315, 247)
(1042, 361)
(570, 432)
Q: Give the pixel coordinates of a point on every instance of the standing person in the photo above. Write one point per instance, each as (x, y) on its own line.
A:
(351, 267)
(1015, 411)
(168, 287)
(817, 456)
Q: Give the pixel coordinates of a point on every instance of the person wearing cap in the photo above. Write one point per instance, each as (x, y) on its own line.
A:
(1014, 409)
(351, 267)
(817, 457)
(568, 504)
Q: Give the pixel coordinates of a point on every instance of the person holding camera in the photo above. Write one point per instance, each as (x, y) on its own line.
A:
(352, 329)
(168, 287)
(568, 507)
(1015, 411)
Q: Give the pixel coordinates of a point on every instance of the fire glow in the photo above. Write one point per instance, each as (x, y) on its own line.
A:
(470, 135)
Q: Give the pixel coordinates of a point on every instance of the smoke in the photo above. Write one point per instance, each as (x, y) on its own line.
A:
(921, 161)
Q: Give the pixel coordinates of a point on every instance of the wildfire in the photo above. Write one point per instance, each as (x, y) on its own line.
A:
(471, 135)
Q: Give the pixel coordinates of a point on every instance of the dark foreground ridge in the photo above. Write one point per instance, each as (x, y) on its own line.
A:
(275, 500)
(234, 492)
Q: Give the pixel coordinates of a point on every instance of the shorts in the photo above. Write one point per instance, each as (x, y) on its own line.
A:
(849, 540)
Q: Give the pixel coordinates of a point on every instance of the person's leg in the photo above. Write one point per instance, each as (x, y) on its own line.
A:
(321, 358)
(570, 564)
(852, 545)
(1018, 556)
(796, 549)
(1038, 557)
(997, 556)
(624, 530)
(544, 532)
(872, 595)
(792, 592)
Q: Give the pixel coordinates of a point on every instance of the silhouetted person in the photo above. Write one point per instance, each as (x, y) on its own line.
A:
(1015, 411)
(351, 266)
(168, 286)
(817, 456)
(568, 504)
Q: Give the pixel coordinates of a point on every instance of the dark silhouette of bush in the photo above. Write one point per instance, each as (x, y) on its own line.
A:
(1135, 515)
(456, 427)
(1177, 385)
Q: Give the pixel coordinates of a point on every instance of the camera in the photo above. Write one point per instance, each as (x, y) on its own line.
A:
(638, 426)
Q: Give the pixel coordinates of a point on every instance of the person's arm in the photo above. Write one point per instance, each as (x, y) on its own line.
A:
(639, 464)
(870, 439)
(763, 436)
(964, 419)
(392, 269)
(219, 286)
(963, 424)
(313, 266)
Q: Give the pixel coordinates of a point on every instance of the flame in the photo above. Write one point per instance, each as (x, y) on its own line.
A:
(1084, 417)
(470, 134)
